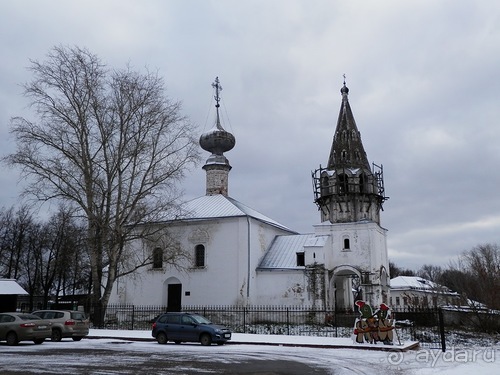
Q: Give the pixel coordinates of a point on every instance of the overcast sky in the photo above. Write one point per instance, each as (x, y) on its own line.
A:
(424, 81)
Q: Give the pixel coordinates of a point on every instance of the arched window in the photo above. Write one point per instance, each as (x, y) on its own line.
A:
(357, 155)
(343, 155)
(199, 256)
(347, 244)
(325, 188)
(158, 257)
(342, 183)
(362, 183)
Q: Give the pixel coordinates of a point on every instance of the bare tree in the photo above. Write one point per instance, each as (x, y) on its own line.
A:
(108, 142)
(15, 229)
(395, 271)
(64, 257)
(483, 262)
(430, 272)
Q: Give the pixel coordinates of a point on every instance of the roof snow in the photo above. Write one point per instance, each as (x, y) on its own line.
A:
(220, 206)
(282, 253)
(417, 283)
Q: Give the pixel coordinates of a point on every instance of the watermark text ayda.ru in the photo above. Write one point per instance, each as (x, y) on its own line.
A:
(432, 357)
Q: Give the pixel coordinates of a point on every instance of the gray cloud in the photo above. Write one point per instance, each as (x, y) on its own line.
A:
(424, 88)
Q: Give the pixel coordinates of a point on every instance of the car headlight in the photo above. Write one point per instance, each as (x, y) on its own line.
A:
(217, 330)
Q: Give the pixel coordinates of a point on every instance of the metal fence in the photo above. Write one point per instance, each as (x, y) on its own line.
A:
(292, 320)
(423, 325)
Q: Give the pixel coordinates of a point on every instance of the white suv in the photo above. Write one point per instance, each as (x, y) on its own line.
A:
(65, 323)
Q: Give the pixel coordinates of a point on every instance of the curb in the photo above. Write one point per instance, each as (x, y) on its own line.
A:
(392, 348)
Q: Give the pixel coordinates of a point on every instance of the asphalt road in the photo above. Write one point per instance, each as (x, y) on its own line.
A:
(129, 358)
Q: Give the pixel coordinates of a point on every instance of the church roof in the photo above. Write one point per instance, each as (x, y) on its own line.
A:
(282, 253)
(220, 206)
(415, 283)
(347, 149)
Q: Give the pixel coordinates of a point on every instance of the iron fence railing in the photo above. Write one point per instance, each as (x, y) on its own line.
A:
(431, 327)
(244, 319)
(417, 324)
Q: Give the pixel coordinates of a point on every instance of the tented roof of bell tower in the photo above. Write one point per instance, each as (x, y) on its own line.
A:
(347, 149)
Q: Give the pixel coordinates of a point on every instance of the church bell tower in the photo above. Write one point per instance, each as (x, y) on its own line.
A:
(349, 193)
(348, 189)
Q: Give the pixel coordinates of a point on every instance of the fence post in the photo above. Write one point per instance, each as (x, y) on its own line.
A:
(288, 321)
(441, 330)
(244, 319)
(133, 316)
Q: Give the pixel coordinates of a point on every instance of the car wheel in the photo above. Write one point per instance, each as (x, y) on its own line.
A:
(77, 338)
(205, 339)
(12, 338)
(177, 342)
(161, 338)
(38, 341)
(56, 335)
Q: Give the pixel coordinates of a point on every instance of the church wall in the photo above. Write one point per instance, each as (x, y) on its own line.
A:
(282, 287)
(262, 235)
(223, 280)
(365, 249)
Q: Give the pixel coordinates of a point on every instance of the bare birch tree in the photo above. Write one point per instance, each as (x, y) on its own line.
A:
(108, 142)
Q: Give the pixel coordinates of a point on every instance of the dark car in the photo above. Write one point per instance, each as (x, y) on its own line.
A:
(15, 327)
(187, 327)
(65, 323)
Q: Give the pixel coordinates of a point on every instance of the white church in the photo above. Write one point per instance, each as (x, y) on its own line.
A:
(238, 256)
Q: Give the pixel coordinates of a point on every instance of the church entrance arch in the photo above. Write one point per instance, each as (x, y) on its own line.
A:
(344, 288)
(172, 294)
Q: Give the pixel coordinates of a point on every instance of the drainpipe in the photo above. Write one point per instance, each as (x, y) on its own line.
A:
(248, 255)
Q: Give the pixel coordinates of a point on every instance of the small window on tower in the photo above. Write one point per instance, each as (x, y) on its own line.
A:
(347, 244)
(342, 183)
(362, 183)
(325, 188)
(199, 256)
(301, 262)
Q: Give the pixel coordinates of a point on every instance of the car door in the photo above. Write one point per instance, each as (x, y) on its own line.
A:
(188, 329)
(172, 327)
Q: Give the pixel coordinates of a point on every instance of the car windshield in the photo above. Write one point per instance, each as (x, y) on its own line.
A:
(201, 319)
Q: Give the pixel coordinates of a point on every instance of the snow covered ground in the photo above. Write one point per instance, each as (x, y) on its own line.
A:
(464, 359)
(317, 352)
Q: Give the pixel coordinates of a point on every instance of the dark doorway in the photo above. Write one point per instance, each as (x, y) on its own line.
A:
(174, 297)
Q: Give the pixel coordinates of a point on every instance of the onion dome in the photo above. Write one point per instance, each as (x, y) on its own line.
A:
(217, 140)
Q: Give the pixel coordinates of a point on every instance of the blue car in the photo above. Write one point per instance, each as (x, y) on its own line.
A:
(187, 327)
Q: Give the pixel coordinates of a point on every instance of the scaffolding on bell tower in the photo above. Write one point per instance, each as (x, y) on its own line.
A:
(348, 184)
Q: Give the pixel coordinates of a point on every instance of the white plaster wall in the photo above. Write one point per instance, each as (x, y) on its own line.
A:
(282, 287)
(433, 299)
(233, 248)
(367, 250)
